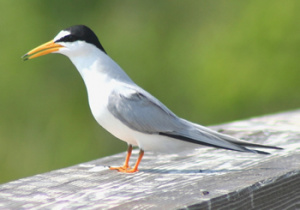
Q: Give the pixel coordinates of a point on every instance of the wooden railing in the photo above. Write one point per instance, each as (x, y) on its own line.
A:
(202, 179)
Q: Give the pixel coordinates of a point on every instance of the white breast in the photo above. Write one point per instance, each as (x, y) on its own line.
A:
(99, 86)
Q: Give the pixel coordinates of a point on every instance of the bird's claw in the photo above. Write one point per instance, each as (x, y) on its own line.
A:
(124, 169)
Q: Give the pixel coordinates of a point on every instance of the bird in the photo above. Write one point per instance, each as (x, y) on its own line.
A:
(127, 111)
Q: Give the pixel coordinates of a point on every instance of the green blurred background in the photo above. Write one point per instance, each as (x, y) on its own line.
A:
(209, 61)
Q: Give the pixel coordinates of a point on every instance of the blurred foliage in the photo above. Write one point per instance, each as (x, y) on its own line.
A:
(208, 61)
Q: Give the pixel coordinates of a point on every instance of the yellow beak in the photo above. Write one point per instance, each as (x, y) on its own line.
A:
(43, 49)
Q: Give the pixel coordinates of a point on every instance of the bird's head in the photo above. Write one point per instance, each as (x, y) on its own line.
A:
(71, 41)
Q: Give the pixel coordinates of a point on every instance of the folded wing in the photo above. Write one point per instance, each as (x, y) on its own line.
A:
(142, 112)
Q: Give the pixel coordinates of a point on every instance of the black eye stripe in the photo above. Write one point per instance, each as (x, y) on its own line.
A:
(81, 33)
(68, 38)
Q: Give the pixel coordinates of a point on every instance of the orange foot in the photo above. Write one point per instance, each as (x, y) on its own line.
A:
(124, 169)
(120, 168)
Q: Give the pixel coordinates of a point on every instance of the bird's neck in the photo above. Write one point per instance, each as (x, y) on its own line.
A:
(99, 63)
(100, 73)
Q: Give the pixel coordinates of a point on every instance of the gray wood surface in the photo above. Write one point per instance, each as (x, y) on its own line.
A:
(206, 178)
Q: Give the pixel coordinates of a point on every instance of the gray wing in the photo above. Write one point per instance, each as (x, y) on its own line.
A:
(142, 112)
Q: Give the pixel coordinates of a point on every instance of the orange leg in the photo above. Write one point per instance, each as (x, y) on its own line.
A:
(126, 168)
(126, 163)
(135, 168)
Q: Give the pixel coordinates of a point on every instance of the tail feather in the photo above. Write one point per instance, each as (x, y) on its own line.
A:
(218, 140)
(241, 148)
(199, 134)
(245, 143)
(258, 152)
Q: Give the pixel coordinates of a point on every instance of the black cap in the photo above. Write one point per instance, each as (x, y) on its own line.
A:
(83, 33)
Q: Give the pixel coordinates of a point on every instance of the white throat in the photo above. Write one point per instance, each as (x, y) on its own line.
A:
(99, 72)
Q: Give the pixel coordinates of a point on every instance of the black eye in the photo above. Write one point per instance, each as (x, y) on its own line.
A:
(68, 38)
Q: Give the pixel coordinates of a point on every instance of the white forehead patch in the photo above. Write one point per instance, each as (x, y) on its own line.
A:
(61, 34)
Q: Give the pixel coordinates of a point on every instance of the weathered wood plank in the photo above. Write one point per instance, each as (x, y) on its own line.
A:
(203, 179)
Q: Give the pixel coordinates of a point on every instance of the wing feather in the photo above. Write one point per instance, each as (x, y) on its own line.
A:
(142, 112)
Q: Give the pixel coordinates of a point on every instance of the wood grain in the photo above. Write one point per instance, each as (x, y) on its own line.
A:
(206, 178)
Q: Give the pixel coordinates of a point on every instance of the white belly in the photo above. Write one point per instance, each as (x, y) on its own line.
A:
(98, 89)
(147, 142)
(115, 127)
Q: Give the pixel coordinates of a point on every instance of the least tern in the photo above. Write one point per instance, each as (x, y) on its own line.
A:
(126, 110)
